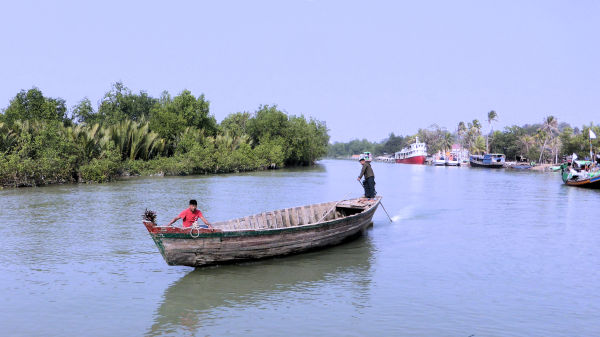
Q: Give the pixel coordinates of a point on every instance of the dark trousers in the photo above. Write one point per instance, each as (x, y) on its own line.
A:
(369, 185)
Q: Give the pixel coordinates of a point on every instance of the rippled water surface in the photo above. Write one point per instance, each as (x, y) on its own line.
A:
(474, 252)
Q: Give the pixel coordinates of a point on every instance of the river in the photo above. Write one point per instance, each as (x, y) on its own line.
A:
(473, 252)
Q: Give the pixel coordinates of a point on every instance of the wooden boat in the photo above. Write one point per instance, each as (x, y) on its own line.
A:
(492, 160)
(575, 175)
(276, 233)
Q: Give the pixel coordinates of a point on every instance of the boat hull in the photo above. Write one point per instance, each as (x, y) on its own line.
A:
(418, 160)
(220, 247)
(587, 183)
(491, 165)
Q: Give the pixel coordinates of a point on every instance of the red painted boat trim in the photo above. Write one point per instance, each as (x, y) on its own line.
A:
(419, 160)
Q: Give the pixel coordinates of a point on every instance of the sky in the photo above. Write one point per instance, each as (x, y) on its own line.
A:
(366, 68)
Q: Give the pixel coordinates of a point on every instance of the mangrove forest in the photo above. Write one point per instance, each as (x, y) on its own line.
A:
(42, 141)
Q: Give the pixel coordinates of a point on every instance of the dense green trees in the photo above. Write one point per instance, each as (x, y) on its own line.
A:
(170, 116)
(134, 133)
(32, 105)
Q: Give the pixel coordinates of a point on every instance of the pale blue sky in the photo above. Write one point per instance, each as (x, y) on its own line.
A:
(365, 67)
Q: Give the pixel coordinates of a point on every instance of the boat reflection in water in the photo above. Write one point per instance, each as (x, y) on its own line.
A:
(197, 299)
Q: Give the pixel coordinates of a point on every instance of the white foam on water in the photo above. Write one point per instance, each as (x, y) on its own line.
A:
(405, 213)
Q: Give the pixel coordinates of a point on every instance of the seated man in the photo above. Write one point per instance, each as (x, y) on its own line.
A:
(191, 215)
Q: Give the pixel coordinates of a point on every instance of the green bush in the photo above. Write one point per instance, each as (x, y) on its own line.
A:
(102, 169)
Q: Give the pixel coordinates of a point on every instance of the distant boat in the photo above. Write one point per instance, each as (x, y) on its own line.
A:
(576, 175)
(521, 166)
(441, 161)
(276, 233)
(490, 160)
(414, 154)
(451, 161)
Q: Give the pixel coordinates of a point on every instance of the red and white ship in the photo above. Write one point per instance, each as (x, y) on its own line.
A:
(416, 153)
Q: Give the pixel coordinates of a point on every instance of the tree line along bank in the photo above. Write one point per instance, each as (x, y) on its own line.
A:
(545, 142)
(43, 142)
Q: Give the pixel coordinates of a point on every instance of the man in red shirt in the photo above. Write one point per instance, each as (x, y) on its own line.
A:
(191, 215)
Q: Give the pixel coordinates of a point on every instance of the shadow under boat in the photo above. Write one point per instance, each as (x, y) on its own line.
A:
(188, 303)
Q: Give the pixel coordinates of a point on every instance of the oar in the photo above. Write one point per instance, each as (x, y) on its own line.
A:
(386, 213)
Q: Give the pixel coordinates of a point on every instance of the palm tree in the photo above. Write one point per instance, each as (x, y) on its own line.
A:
(461, 130)
(88, 137)
(491, 117)
(477, 125)
(134, 140)
(555, 145)
(447, 141)
(478, 145)
(547, 131)
(8, 138)
(526, 143)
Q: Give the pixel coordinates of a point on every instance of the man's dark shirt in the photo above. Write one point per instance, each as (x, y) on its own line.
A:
(366, 171)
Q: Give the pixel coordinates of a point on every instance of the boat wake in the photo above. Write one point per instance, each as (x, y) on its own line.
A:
(404, 214)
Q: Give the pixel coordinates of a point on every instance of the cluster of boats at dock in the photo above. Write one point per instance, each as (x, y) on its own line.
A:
(583, 173)
(416, 153)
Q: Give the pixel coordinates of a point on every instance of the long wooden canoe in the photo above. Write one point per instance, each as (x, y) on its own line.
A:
(268, 234)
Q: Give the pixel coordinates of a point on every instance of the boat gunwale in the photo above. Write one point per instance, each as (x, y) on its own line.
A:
(261, 231)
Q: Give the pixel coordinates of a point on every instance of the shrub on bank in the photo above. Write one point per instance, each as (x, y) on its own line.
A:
(103, 169)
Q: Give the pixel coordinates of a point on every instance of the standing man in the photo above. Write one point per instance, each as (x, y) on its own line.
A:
(369, 182)
(191, 215)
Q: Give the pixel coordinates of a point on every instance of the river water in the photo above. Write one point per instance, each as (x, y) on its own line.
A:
(473, 252)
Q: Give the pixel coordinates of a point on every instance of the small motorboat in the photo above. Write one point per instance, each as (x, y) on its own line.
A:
(276, 233)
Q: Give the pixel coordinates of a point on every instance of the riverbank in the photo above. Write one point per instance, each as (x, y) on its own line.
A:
(105, 170)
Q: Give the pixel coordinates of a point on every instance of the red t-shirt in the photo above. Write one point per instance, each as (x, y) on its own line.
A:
(189, 217)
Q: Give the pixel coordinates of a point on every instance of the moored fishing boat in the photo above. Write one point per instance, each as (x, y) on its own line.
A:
(490, 160)
(276, 233)
(577, 175)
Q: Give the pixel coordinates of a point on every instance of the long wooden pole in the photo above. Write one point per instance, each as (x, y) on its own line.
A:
(386, 213)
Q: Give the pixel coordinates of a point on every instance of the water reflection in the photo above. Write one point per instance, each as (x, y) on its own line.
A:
(191, 302)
